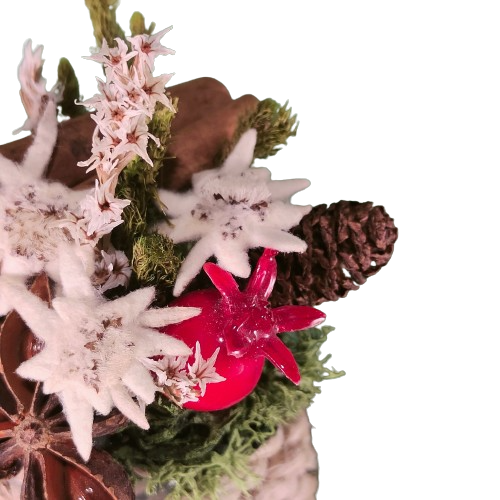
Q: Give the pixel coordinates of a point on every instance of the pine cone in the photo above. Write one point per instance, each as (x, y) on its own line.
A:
(347, 242)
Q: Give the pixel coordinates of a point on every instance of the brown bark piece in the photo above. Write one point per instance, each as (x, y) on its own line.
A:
(207, 120)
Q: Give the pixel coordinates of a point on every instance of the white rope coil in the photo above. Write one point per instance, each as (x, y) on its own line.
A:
(285, 467)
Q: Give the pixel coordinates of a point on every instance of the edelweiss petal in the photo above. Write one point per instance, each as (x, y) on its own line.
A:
(155, 318)
(80, 416)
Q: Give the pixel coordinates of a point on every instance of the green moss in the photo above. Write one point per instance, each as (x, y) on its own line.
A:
(138, 25)
(67, 79)
(195, 449)
(155, 260)
(274, 124)
(103, 17)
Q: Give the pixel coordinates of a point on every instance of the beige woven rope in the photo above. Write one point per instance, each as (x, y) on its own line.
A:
(287, 466)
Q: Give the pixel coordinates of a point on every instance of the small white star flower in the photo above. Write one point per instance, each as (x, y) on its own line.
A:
(111, 270)
(148, 47)
(101, 210)
(94, 349)
(181, 382)
(230, 210)
(114, 58)
(134, 139)
(202, 371)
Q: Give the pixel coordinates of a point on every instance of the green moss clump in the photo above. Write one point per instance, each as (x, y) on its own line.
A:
(195, 449)
(103, 17)
(67, 80)
(274, 124)
(138, 25)
(155, 260)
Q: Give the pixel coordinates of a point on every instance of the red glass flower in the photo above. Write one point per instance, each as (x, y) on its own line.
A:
(244, 327)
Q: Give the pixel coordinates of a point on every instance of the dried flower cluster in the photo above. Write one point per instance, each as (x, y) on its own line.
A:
(182, 382)
(123, 108)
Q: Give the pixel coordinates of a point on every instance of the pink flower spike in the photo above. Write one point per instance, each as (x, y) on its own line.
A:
(282, 358)
(222, 280)
(264, 277)
(293, 318)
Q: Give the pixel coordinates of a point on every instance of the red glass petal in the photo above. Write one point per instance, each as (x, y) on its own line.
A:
(262, 281)
(223, 281)
(282, 358)
(293, 318)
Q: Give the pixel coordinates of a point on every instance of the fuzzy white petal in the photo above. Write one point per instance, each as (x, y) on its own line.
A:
(155, 318)
(261, 174)
(234, 261)
(279, 240)
(154, 343)
(74, 277)
(130, 306)
(101, 401)
(124, 402)
(39, 367)
(176, 203)
(71, 312)
(241, 156)
(140, 382)
(34, 311)
(186, 228)
(80, 416)
(192, 265)
(292, 214)
(285, 189)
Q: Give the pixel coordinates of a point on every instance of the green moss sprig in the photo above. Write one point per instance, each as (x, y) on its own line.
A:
(67, 80)
(274, 123)
(103, 17)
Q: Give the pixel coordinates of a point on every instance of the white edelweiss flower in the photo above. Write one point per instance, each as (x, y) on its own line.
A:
(33, 210)
(230, 210)
(148, 47)
(93, 348)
